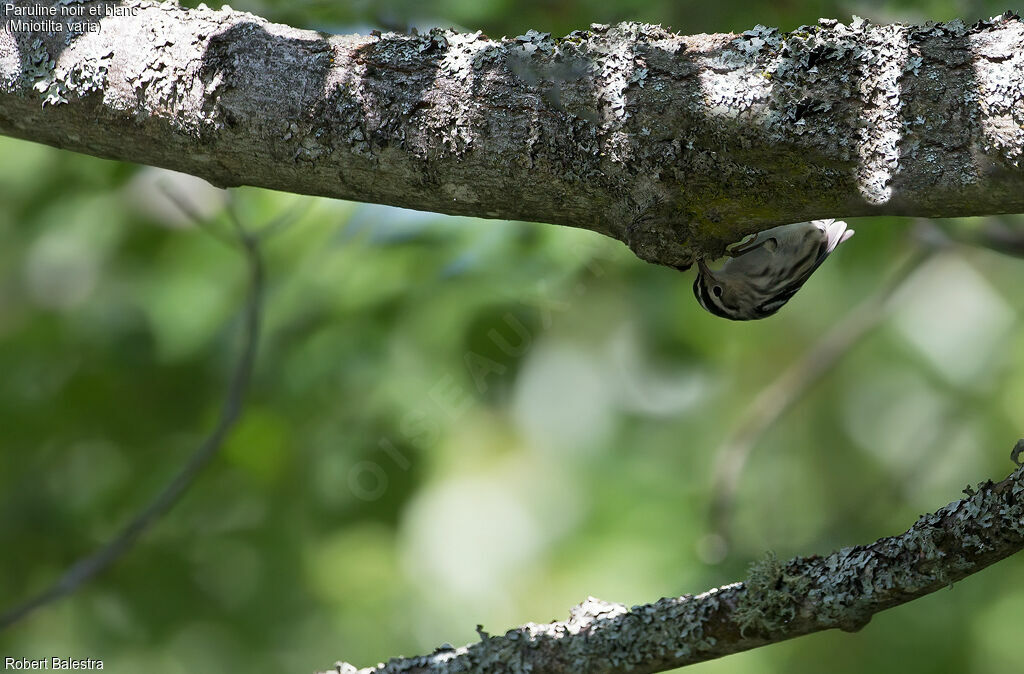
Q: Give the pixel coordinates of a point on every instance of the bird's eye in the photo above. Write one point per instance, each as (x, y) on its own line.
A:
(717, 290)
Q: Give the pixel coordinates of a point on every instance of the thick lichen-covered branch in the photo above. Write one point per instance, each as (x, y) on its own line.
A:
(778, 601)
(673, 144)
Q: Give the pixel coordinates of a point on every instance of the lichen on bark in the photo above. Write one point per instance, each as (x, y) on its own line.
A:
(676, 145)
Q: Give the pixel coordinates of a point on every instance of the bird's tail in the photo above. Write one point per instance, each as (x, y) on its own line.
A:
(836, 231)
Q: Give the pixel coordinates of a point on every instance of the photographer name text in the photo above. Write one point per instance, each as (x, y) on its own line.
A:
(58, 664)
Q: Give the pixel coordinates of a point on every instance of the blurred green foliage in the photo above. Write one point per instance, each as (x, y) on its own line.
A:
(459, 421)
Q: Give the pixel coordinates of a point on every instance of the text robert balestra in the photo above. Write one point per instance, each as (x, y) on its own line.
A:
(55, 663)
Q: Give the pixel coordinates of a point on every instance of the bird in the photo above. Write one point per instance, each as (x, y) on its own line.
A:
(763, 273)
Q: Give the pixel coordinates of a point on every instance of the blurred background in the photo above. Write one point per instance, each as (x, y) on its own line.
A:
(457, 422)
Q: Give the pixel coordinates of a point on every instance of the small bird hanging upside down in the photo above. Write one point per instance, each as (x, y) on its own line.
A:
(764, 273)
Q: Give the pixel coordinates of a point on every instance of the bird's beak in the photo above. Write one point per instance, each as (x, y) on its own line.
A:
(703, 267)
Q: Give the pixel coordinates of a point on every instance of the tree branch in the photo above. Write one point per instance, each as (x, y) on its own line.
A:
(673, 144)
(85, 569)
(778, 601)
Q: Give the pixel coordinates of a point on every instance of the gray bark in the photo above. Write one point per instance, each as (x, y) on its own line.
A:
(778, 601)
(676, 145)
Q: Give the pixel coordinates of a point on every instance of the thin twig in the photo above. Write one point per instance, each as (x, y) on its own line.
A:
(992, 233)
(193, 214)
(87, 568)
(279, 224)
(778, 397)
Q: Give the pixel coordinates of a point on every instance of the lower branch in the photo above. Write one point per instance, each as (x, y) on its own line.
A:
(778, 601)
